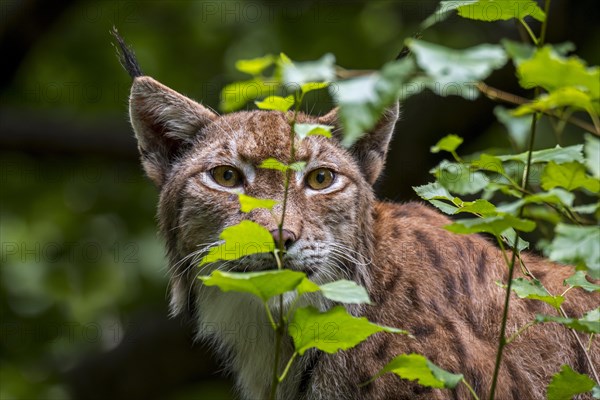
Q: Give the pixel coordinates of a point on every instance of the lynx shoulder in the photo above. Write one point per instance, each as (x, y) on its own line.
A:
(439, 286)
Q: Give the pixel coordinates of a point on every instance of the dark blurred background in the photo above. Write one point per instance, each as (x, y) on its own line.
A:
(83, 284)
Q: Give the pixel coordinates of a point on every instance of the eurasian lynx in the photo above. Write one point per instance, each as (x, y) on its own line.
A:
(439, 286)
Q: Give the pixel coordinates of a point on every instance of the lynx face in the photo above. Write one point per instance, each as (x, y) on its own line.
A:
(201, 161)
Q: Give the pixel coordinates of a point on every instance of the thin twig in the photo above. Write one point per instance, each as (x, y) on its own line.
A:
(499, 95)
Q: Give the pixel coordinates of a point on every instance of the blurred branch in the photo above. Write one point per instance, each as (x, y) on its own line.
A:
(22, 24)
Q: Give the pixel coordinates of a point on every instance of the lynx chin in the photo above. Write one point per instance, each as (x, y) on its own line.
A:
(439, 286)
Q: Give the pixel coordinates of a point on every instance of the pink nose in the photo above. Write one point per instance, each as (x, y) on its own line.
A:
(287, 238)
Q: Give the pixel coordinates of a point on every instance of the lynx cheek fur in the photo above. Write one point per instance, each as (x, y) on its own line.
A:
(437, 285)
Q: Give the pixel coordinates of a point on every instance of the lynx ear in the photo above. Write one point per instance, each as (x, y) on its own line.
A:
(370, 150)
(164, 122)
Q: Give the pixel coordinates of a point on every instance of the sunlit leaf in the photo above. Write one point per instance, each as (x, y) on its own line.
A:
(486, 10)
(551, 71)
(310, 86)
(276, 103)
(494, 225)
(345, 291)
(271, 163)
(415, 367)
(241, 240)
(589, 323)
(235, 95)
(578, 279)
(332, 330)
(533, 289)
(448, 143)
(455, 72)
(568, 383)
(488, 162)
(264, 284)
(570, 176)
(479, 207)
(563, 97)
(299, 73)
(304, 130)
(249, 203)
(256, 65)
(558, 154)
(577, 245)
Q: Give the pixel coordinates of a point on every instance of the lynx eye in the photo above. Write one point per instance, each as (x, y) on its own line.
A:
(320, 178)
(226, 176)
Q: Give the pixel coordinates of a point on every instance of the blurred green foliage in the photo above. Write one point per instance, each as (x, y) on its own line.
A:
(81, 267)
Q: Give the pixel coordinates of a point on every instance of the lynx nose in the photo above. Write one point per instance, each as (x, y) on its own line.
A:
(287, 237)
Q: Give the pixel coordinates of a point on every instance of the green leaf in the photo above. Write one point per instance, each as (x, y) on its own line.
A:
(587, 208)
(249, 203)
(494, 225)
(570, 176)
(555, 196)
(332, 330)
(578, 279)
(297, 166)
(345, 291)
(455, 72)
(415, 367)
(518, 51)
(533, 289)
(363, 100)
(568, 383)
(307, 286)
(486, 10)
(271, 163)
(448, 143)
(518, 127)
(299, 73)
(235, 95)
(479, 207)
(304, 130)
(496, 10)
(558, 154)
(256, 65)
(550, 71)
(310, 86)
(589, 323)
(276, 103)
(488, 162)
(264, 284)
(433, 190)
(592, 154)
(459, 178)
(577, 245)
(241, 240)
(563, 97)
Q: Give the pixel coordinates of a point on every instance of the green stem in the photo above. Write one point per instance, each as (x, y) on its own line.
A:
(287, 367)
(534, 39)
(280, 326)
(470, 389)
(525, 182)
(520, 330)
(271, 320)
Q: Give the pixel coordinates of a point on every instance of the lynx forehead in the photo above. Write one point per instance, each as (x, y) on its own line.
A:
(437, 285)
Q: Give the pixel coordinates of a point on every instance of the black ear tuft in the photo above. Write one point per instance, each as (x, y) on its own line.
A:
(126, 55)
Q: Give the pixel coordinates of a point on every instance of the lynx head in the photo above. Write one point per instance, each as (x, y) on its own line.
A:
(200, 161)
